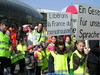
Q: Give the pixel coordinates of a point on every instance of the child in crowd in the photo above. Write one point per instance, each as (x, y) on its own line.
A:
(39, 59)
(68, 42)
(45, 61)
(29, 60)
(14, 58)
(21, 49)
(69, 46)
(52, 44)
(78, 59)
(58, 58)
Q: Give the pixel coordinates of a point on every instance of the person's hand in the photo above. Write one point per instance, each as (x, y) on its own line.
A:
(86, 51)
(18, 51)
(86, 69)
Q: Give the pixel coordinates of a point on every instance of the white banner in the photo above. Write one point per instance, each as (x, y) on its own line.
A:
(58, 23)
(88, 23)
(74, 23)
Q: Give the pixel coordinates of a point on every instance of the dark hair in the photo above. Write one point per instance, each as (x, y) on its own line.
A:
(39, 46)
(69, 38)
(60, 41)
(4, 22)
(54, 36)
(21, 40)
(40, 23)
(30, 27)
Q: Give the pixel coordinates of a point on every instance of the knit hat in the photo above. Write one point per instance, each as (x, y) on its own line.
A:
(29, 47)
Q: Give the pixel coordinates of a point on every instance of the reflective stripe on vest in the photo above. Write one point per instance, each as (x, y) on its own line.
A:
(40, 62)
(80, 74)
(61, 71)
(40, 57)
(60, 63)
(21, 55)
(3, 42)
(4, 49)
(14, 59)
(43, 35)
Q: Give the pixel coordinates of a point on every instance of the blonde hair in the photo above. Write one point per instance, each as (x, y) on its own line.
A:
(82, 41)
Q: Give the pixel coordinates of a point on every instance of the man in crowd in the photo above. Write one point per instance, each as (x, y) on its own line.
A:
(4, 45)
(39, 35)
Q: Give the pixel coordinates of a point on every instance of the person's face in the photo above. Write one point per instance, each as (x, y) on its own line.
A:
(20, 28)
(67, 40)
(40, 49)
(40, 27)
(29, 29)
(61, 47)
(44, 45)
(53, 39)
(25, 38)
(31, 51)
(4, 27)
(80, 46)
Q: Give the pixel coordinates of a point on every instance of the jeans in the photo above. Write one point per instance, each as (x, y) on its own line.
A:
(8, 69)
(30, 72)
(2, 64)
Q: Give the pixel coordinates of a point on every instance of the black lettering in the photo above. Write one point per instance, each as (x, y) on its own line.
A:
(83, 22)
(81, 9)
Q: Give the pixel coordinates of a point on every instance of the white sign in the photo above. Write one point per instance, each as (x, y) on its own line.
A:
(88, 23)
(74, 23)
(58, 23)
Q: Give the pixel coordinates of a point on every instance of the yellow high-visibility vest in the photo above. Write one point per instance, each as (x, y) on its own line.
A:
(22, 49)
(60, 63)
(80, 69)
(4, 45)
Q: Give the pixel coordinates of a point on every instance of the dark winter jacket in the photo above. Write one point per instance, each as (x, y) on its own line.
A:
(94, 53)
(29, 61)
(78, 61)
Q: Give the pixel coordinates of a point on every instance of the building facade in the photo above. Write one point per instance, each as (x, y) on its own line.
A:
(18, 12)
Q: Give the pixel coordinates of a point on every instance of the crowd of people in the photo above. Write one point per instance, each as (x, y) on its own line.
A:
(39, 54)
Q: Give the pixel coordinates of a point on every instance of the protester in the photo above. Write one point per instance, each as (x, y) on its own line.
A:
(13, 36)
(20, 33)
(58, 59)
(39, 58)
(21, 48)
(45, 60)
(40, 34)
(30, 36)
(49, 39)
(4, 46)
(52, 44)
(30, 61)
(94, 57)
(14, 58)
(78, 59)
